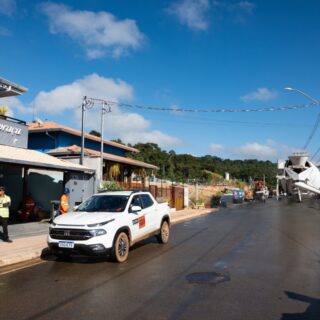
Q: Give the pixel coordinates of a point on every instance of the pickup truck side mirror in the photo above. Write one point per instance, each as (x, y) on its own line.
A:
(135, 209)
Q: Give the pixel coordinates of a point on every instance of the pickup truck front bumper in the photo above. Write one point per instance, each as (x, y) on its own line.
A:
(85, 249)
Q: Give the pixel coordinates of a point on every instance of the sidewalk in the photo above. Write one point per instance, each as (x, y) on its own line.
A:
(30, 240)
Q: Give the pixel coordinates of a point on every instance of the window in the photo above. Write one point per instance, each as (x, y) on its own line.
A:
(136, 201)
(147, 201)
(104, 204)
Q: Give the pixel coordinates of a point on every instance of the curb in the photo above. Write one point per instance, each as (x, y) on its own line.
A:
(192, 216)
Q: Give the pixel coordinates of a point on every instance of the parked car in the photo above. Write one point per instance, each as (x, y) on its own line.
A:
(238, 195)
(226, 199)
(109, 223)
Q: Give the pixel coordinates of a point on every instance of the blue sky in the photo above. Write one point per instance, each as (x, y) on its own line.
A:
(197, 54)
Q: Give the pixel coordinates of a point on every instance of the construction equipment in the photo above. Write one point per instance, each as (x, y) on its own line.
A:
(297, 176)
(261, 191)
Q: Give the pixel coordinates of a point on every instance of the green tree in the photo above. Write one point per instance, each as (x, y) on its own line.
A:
(95, 133)
(186, 167)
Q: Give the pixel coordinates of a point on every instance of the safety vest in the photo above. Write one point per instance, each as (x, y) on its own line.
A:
(4, 211)
(64, 204)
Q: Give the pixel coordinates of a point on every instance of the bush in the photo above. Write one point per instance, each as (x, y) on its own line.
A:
(110, 186)
(162, 199)
(215, 200)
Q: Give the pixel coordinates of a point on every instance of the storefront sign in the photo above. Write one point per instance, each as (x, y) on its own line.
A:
(13, 134)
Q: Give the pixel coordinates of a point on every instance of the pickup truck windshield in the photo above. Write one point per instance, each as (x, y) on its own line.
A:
(107, 203)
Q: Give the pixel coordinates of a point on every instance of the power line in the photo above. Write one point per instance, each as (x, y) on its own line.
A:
(313, 156)
(222, 122)
(314, 129)
(90, 102)
(317, 102)
(199, 110)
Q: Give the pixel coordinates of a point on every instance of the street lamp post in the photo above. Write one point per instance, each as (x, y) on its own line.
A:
(315, 101)
(303, 93)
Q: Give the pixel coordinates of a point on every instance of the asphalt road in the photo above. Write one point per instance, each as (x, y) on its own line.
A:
(258, 261)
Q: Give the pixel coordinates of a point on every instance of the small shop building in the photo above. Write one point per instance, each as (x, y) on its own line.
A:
(113, 163)
(30, 174)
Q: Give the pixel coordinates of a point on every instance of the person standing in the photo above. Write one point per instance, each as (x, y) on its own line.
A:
(5, 203)
(64, 202)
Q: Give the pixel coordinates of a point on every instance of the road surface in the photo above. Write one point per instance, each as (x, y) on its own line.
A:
(254, 261)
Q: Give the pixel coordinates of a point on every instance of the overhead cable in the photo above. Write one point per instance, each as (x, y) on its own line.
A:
(199, 110)
(314, 155)
(315, 127)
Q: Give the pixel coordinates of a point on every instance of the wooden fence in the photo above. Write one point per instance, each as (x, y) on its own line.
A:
(174, 195)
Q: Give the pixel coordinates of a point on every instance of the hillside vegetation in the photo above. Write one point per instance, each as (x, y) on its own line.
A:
(188, 168)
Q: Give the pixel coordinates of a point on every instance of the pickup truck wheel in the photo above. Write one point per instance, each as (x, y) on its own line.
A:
(120, 249)
(163, 237)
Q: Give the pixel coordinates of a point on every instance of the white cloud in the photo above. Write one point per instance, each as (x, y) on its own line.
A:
(8, 7)
(116, 123)
(270, 150)
(100, 33)
(70, 96)
(66, 100)
(155, 136)
(192, 13)
(129, 127)
(261, 94)
(216, 147)
(255, 150)
(15, 105)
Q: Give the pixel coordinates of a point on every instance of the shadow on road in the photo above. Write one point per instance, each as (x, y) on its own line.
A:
(311, 313)
(85, 259)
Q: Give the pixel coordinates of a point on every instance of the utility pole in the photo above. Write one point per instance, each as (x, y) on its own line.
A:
(197, 193)
(83, 106)
(103, 111)
(88, 103)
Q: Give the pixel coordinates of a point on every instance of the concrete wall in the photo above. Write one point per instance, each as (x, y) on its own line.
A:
(91, 163)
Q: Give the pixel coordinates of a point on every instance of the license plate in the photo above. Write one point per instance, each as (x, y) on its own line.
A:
(66, 244)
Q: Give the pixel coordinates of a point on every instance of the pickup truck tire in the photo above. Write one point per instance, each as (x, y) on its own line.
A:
(120, 250)
(164, 234)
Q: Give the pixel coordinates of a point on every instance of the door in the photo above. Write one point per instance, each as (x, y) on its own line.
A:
(140, 223)
(152, 215)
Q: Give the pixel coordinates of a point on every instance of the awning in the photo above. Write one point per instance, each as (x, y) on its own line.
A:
(76, 150)
(36, 159)
(9, 89)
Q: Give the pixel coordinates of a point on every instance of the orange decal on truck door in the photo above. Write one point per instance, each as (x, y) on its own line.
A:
(142, 222)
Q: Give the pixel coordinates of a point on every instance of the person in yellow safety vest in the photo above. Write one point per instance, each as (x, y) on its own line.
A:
(64, 201)
(5, 202)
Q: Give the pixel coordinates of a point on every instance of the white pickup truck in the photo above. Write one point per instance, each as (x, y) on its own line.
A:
(109, 223)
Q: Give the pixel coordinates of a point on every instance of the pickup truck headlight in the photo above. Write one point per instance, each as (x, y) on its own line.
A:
(98, 232)
(100, 224)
